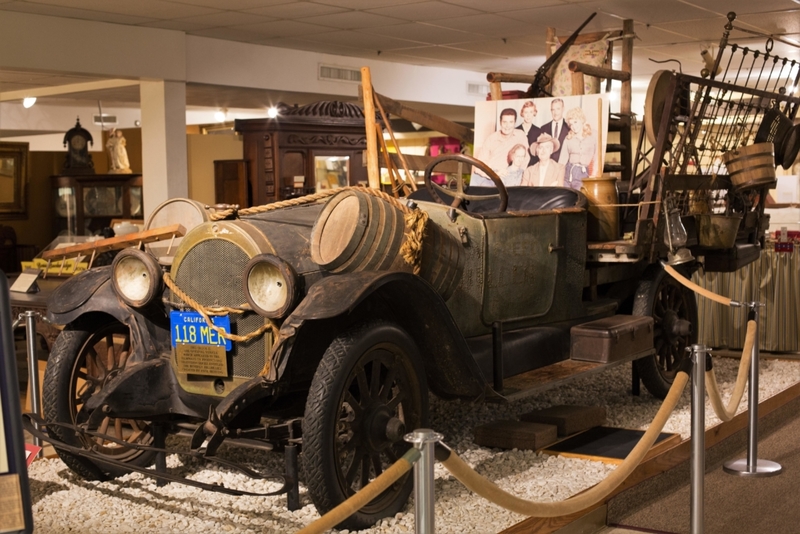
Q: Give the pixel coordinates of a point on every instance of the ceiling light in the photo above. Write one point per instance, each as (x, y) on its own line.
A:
(28, 101)
(219, 116)
(272, 112)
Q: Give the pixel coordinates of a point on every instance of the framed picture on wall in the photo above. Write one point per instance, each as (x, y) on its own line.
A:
(13, 180)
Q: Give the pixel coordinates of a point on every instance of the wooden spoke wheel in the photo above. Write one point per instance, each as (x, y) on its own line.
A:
(81, 364)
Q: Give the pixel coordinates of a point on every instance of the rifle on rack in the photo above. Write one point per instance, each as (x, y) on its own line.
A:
(541, 79)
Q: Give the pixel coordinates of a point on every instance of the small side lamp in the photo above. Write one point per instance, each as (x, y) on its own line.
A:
(675, 236)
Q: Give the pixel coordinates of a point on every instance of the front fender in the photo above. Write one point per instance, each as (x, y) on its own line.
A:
(400, 297)
(91, 293)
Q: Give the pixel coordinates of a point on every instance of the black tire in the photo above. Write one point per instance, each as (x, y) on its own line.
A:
(75, 371)
(369, 381)
(661, 297)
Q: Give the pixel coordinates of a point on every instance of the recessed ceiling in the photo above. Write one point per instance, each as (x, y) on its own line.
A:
(478, 35)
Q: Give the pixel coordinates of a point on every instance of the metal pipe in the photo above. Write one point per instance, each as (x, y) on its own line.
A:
(425, 440)
(752, 401)
(751, 466)
(698, 464)
(33, 368)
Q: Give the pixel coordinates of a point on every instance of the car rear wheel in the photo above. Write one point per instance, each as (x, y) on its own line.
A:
(81, 364)
(368, 391)
(671, 306)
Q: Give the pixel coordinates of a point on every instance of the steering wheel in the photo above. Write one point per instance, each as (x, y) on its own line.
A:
(459, 195)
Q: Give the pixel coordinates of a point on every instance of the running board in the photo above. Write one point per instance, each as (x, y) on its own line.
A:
(526, 384)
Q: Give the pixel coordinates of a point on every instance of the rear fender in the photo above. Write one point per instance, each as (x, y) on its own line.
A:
(336, 302)
(81, 299)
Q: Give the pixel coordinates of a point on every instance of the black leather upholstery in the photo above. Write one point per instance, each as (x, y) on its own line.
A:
(519, 198)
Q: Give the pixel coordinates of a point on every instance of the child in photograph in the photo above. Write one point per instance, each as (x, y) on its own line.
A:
(546, 172)
(578, 152)
(517, 163)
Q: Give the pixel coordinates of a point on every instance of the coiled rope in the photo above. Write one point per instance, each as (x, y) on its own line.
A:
(364, 496)
(492, 492)
(726, 413)
(206, 312)
(415, 219)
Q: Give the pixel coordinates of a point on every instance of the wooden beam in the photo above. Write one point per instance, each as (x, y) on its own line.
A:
(116, 243)
(429, 120)
(599, 72)
(509, 77)
(373, 167)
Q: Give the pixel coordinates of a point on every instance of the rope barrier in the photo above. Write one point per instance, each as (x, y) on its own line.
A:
(492, 492)
(364, 496)
(205, 312)
(697, 289)
(726, 413)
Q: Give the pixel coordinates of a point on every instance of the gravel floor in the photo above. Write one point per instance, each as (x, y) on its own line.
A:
(62, 502)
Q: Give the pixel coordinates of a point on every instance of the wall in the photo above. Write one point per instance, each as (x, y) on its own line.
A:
(202, 151)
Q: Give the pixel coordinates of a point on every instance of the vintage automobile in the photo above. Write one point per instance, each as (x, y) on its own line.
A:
(336, 342)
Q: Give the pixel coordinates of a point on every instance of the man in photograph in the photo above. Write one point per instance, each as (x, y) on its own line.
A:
(546, 172)
(557, 128)
(494, 151)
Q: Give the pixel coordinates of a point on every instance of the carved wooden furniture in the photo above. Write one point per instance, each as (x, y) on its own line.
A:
(303, 150)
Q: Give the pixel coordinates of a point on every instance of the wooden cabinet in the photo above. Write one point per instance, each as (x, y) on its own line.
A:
(230, 182)
(85, 204)
(304, 150)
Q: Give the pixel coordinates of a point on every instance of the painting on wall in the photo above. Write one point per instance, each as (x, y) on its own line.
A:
(13, 180)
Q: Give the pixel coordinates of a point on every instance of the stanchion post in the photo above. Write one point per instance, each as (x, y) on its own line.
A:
(425, 440)
(698, 463)
(751, 466)
(33, 367)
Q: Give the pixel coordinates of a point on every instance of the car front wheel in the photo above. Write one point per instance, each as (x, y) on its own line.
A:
(368, 391)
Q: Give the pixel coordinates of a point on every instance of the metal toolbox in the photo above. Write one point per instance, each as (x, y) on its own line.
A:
(612, 339)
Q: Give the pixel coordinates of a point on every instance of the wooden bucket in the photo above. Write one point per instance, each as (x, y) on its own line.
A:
(716, 230)
(751, 166)
(603, 221)
(357, 231)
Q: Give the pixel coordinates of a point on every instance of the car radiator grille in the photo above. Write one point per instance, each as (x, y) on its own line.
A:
(211, 273)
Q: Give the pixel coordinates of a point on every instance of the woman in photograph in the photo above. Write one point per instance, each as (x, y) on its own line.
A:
(517, 163)
(527, 113)
(579, 149)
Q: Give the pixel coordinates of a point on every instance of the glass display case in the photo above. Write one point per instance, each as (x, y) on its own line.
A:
(84, 205)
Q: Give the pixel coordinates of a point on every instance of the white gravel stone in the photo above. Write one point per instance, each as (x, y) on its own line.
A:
(63, 502)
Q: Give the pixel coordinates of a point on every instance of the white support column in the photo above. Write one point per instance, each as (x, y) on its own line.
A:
(164, 165)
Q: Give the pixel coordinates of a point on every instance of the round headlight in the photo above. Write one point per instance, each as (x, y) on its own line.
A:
(136, 277)
(270, 285)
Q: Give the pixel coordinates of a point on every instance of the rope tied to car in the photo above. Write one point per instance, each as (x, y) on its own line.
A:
(357, 501)
(207, 311)
(415, 219)
(493, 493)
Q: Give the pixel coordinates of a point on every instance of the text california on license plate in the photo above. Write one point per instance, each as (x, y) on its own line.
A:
(191, 328)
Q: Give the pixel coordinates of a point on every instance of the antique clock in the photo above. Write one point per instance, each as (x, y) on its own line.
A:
(77, 141)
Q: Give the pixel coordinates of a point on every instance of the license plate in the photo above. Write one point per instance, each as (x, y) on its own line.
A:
(190, 328)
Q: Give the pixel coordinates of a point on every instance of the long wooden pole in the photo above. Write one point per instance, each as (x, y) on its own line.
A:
(373, 169)
(409, 179)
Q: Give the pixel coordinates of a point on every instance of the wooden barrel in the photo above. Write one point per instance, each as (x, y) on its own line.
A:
(356, 231)
(751, 166)
(189, 213)
(603, 221)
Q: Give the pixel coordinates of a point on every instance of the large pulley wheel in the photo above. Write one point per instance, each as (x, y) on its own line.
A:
(80, 365)
(459, 195)
(368, 391)
(674, 311)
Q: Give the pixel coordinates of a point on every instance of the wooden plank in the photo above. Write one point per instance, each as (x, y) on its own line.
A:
(509, 77)
(546, 525)
(373, 168)
(429, 120)
(598, 72)
(116, 243)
